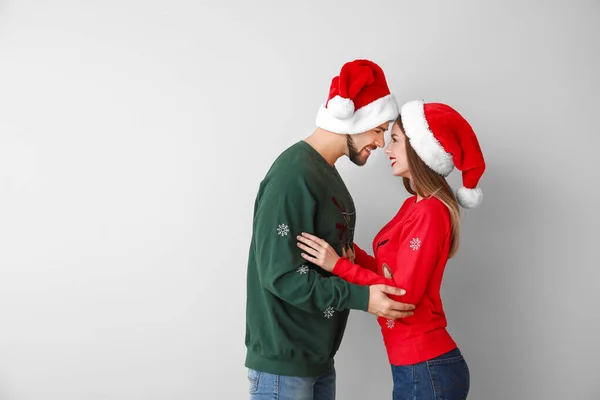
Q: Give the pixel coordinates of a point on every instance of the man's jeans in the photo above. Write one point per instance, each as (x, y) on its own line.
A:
(264, 386)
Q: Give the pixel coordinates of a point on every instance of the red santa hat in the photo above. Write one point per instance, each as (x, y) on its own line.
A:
(443, 139)
(359, 100)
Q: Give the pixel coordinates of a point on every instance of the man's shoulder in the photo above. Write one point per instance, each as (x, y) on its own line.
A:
(297, 154)
(295, 164)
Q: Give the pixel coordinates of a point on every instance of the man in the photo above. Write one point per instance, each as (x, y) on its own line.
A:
(296, 314)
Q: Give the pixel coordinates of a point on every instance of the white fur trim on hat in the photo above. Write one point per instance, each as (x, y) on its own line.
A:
(340, 107)
(422, 139)
(469, 198)
(372, 115)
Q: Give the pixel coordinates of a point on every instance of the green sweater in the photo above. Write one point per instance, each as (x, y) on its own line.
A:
(296, 312)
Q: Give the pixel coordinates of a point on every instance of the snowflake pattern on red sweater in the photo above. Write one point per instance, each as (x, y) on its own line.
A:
(415, 244)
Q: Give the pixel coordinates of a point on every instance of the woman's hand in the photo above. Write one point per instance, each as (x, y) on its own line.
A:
(319, 251)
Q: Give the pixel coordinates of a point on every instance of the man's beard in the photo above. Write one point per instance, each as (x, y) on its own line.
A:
(353, 154)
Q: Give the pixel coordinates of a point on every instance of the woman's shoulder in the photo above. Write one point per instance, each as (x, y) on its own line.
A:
(430, 209)
(408, 203)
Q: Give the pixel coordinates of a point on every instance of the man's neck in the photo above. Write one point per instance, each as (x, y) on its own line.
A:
(329, 145)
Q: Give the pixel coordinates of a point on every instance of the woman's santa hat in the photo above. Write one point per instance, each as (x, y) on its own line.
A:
(359, 100)
(443, 139)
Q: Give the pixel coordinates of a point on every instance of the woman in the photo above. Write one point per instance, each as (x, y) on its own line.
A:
(411, 251)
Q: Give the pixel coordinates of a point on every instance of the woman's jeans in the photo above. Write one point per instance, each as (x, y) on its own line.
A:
(443, 378)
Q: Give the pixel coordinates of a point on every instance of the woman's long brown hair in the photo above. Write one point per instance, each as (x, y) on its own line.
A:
(426, 182)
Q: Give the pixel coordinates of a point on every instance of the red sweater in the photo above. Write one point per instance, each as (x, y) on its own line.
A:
(411, 253)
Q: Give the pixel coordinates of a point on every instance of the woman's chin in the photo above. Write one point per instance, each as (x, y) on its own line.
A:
(397, 173)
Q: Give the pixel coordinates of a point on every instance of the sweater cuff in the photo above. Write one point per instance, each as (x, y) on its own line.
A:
(338, 267)
(359, 297)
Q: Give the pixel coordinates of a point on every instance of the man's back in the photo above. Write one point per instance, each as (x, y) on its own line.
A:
(296, 314)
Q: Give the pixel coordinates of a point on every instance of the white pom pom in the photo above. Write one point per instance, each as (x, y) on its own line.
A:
(469, 198)
(340, 107)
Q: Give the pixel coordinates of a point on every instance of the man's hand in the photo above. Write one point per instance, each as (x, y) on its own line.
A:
(382, 306)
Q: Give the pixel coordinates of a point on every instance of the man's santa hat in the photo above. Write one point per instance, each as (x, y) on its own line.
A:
(359, 100)
(443, 139)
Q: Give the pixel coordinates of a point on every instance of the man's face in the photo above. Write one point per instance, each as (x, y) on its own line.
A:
(361, 145)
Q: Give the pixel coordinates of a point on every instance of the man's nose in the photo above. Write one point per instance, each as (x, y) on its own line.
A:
(380, 141)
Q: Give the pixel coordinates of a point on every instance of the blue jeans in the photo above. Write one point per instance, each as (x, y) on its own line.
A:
(443, 378)
(265, 386)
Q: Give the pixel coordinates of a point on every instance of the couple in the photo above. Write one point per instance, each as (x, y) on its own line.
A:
(305, 273)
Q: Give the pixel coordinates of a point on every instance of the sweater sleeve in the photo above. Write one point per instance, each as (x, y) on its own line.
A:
(354, 273)
(286, 210)
(365, 260)
(420, 245)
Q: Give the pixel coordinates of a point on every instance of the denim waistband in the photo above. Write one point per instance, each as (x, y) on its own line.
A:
(452, 353)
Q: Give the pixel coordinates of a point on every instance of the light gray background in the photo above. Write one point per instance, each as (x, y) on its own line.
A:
(133, 137)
